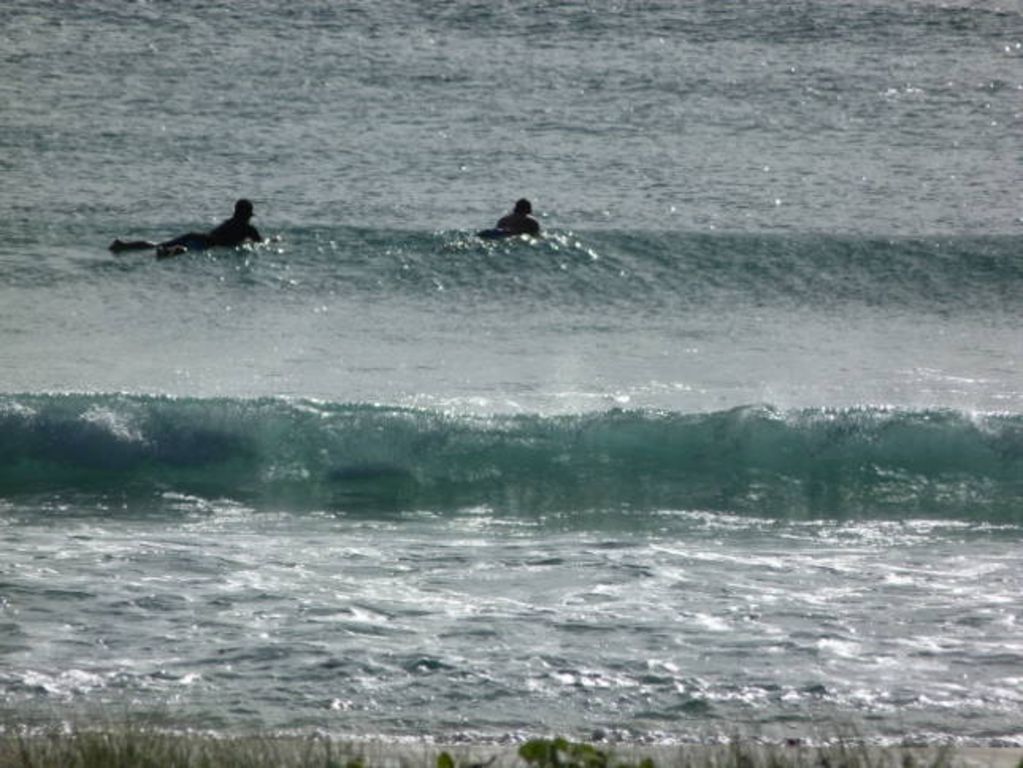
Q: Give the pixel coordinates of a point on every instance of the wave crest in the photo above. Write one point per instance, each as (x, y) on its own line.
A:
(866, 462)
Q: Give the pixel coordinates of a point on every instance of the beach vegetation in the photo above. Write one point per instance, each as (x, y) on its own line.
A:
(131, 747)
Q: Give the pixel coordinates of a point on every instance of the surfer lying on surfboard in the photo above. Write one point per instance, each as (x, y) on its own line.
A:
(232, 232)
(518, 222)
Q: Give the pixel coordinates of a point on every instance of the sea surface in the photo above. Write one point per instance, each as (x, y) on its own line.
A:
(736, 447)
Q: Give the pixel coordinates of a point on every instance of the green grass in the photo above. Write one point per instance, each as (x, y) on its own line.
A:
(131, 747)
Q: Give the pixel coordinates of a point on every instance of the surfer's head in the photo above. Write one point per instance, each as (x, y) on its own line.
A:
(243, 209)
(523, 207)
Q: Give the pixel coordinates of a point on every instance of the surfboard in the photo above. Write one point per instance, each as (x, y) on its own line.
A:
(493, 234)
(186, 244)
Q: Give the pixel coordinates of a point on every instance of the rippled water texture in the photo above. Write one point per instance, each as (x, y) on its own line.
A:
(875, 117)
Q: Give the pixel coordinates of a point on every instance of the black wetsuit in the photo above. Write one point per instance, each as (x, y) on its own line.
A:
(233, 232)
(519, 224)
(228, 234)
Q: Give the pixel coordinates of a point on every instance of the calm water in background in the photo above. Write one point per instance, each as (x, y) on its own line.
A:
(739, 445)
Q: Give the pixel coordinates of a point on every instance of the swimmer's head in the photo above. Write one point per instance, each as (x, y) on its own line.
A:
(523, 208)
(243, 209)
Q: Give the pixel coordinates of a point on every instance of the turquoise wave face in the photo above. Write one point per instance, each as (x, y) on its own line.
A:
(871, 463)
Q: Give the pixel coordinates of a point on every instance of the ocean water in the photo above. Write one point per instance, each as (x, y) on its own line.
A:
(736, 447)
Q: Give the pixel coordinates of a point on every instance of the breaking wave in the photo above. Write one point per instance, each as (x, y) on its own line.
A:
(303, 454)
